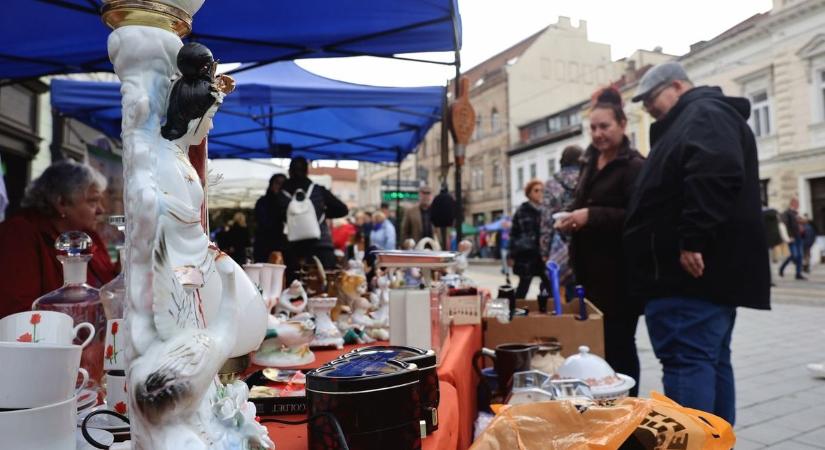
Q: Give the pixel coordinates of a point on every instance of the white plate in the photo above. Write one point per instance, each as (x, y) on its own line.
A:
(101, 436)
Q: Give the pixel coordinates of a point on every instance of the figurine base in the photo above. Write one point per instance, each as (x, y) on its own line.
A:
(283, 357)
(337, 342)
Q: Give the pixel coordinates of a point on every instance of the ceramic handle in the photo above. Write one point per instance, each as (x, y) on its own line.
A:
(85, 376)
(477, 357)
(89, 327)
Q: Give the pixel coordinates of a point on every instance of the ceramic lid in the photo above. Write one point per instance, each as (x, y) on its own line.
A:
(424, 359)
(596, 372)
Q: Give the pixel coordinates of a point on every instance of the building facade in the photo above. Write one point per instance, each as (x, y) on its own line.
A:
(777, 61)
(537, 152)
(550, 70)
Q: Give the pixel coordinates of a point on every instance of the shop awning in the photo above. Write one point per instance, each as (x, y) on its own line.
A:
(282, 110)
(42, 37)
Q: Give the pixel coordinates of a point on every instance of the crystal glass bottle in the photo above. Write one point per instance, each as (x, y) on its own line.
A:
(78, 299)
(113, 293)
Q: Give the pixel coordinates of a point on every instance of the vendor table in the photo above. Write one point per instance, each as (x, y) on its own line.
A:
(456, 409)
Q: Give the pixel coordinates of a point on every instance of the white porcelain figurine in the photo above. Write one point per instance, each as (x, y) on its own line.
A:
(190, 307)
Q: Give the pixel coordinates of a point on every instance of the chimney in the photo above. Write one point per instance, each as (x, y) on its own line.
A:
(630, 71)
(564, 22)
(697, 45)
(583, 26)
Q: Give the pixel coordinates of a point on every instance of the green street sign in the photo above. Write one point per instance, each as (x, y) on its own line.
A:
(389, 196)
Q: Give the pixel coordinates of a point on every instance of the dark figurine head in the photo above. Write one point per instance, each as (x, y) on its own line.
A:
(193, 94)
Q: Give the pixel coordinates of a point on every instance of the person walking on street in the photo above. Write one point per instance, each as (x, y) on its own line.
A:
(269, 234)
(237, 239)
(596, 221)
(559, 192)
(504, 242)
(525, 257)
(417, 222)
(791, 219)
(809, 233)
(325, 205)
(383, 232)
(694, 237)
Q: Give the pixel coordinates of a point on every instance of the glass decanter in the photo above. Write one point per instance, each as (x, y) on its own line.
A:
(78, 299)
(113, 293)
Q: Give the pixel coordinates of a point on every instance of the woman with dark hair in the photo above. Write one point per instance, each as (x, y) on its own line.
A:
(596, 223)
(524, 255)
(66, 197)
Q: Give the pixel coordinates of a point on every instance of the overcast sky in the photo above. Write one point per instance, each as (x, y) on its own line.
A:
(490, 26)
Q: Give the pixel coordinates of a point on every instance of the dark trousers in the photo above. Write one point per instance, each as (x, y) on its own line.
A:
(620, 345)
(691, 337)
(796, 256)
(301, 252)
(524, 284)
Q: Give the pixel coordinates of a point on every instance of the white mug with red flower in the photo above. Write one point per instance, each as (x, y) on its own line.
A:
(43, 327)
(116, 397)
(113, 353)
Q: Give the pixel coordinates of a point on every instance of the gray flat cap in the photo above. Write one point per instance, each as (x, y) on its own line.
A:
(658, 76)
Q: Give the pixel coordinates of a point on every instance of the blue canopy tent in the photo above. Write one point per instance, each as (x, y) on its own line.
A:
(282, 110)
(42, 37)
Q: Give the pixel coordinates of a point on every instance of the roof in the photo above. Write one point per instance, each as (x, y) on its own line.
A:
(498, 61)
(737, 29)
(46, 37)
(337, 173)
(282, 110)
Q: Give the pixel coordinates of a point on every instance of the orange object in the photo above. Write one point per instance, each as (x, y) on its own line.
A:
(657, 422)
(456, 368)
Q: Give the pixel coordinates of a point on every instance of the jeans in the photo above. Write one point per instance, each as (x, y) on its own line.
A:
(504, 268)
(691, 337)
(796, 256)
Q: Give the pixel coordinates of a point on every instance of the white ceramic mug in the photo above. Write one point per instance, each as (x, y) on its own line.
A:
(114, 356)
(116, 396)
(276, 284)
(37, 375)
(43, 327)
(50, 426)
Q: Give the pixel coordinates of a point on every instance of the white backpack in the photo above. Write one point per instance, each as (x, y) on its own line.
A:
(301, 221)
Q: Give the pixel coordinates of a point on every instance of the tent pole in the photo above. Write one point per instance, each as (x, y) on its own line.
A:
(397, 187)
(459, 210)
(445, 156)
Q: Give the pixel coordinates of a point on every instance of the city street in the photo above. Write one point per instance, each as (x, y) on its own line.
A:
(779, 405)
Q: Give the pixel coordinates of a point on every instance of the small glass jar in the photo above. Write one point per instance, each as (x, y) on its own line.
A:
(79, 300)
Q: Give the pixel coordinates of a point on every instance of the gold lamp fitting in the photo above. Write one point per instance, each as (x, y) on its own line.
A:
(120, 13)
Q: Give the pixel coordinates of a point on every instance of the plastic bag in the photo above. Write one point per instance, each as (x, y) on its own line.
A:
(657, 423)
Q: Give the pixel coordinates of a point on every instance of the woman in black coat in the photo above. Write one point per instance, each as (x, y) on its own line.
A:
(603, 192)
(524, 256)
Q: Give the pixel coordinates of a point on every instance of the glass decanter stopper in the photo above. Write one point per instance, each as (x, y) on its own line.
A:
(78, 299)
(113, 293)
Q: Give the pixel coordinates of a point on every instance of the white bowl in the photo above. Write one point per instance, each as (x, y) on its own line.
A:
(37, 375)
(50, 427)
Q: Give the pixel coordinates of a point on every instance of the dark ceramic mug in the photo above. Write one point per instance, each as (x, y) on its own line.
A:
(507, 360)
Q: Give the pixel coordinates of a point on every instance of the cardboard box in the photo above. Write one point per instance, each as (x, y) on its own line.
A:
(567, 328)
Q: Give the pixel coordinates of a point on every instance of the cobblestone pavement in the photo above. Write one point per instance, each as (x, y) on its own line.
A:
(779, 405)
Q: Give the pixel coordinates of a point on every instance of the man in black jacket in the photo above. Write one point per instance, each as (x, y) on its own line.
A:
(694, 235)
(327, 206)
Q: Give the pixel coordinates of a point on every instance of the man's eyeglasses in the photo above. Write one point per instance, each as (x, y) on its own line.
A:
(651, 97)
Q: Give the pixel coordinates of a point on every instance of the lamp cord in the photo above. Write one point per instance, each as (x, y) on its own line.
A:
(338, 431)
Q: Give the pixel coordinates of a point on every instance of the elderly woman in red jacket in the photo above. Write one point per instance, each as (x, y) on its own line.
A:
(66, 197)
